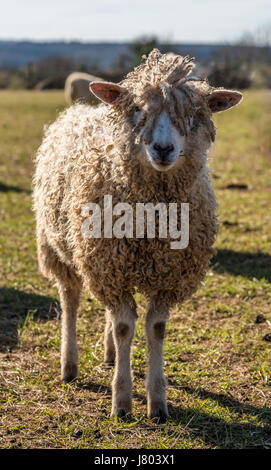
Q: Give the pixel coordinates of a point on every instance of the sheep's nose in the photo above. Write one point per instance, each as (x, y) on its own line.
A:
(163, 151)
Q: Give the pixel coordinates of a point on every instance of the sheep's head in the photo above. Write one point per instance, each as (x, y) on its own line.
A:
(164, 109)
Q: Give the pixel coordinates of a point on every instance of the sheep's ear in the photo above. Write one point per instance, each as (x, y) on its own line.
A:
(106, 91)
(220, 100)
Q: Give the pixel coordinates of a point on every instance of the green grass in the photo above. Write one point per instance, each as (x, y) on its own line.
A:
(216, 360)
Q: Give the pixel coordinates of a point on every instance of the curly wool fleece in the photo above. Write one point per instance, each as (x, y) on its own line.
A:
(89, 153)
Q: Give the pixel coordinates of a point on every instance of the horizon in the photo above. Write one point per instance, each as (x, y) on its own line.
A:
(108, 41)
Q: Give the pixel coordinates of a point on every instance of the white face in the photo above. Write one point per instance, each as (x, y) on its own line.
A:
(167, 144)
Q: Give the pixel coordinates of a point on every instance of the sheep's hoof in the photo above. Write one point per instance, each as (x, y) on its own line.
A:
(109, 357)
(68, 379)
(123, 412)
(109, 363)
(158, 414)
(69, 373)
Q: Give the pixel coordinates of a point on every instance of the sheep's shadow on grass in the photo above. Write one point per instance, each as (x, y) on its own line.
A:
(249, 265)
(196, 424)
(217, 432)
(227, 401)
(16, 308)
(4, 188)
(106, 390)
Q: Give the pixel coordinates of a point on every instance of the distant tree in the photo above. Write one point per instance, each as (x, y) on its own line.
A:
(245, 62)
(122, 65)
(138, 48)
(54, 66)
(229, 75)
(5, 78)
(142, 46)
(53, 70)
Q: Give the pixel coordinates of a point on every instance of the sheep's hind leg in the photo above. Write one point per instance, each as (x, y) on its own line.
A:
(69, 291)
(123, 324)
(69, 287)
(109, 347)
(156, 382)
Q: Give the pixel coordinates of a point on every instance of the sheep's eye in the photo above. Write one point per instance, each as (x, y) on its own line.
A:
(193, 123)
(136, 115)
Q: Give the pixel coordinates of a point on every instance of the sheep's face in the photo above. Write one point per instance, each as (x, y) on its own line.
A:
(166, 124)
(164, 145)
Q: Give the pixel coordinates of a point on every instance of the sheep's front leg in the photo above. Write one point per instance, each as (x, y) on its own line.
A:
(69, 293)
(123, 324)
(156, 382)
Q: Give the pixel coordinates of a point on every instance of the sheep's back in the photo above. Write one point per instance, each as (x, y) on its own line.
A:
(77, 88)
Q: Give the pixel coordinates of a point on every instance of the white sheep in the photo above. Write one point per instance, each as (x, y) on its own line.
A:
(77, 88)
(147, 144)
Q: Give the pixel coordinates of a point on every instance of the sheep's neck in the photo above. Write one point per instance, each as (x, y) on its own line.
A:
(174, 183)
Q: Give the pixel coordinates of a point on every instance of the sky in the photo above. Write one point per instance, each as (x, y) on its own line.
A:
(196, 21)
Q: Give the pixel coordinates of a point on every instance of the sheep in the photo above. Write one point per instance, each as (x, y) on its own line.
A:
(147, 142)
(77, 88)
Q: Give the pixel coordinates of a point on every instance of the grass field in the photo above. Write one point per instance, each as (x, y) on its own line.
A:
(217, 353)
